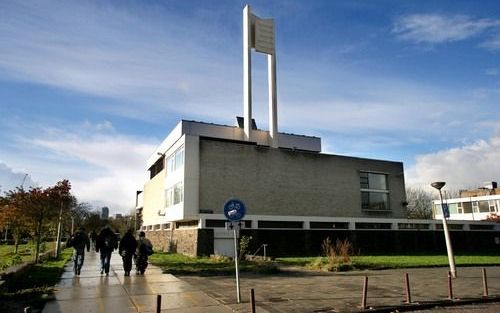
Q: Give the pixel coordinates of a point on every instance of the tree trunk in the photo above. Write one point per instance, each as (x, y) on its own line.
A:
(16, 242)
(38, 240)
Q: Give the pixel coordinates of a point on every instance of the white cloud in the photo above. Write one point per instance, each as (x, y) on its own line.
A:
(492, 43)
(10, 179)
(435, 28)
(102, 165)
(133, 54)
(461, 167)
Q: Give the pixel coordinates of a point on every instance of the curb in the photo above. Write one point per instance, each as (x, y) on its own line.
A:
(431, 304)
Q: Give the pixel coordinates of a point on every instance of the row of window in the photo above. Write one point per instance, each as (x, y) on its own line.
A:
(484, 206)
(175, 161)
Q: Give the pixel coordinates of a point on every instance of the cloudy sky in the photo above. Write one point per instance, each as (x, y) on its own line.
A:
(88, 89)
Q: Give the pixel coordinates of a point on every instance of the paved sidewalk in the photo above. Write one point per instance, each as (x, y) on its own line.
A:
(92, 292)
(303, 291)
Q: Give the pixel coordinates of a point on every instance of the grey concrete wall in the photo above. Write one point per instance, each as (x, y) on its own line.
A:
(284, 182)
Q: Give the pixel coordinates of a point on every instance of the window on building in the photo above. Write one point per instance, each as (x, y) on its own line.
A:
(169, 197)
(376, 201)
(491, 205)
(157, 167)
(467, 207)
(475, 206)
(374, 192)
(484, 206)
(175, 161)
(178, 193)
(460, 208)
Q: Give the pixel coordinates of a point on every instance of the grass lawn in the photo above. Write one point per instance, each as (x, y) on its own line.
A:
(34, 286)
(397, 261)
(184, 265)
(26, 252)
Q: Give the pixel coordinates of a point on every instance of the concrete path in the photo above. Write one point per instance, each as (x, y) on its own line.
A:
(92, 292)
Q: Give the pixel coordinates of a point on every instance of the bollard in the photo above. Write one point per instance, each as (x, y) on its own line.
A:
(485, 283)
(450, 287)
(158, 303)
(252, 300)
(408, 294)
(365, 292)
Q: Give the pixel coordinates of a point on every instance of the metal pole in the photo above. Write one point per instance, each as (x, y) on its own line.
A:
(408, 294)
(265, 252)
(449, 249)
(485, 283)
(158, 303)
(252, 300)
(238, 294)
(365, 292)
(72, 225)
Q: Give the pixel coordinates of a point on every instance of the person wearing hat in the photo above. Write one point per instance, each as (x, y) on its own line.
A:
(144, 250)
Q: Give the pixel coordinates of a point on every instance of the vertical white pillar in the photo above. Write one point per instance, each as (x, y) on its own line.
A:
(273, 100)
(247, 71)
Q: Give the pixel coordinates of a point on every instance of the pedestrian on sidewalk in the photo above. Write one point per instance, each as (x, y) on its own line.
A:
(93, 237)
(144, 250)
(79, 240)
(105, 244)
(127, 248)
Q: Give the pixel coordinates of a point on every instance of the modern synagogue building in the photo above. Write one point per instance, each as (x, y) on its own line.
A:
(199, 166)
(295, 195)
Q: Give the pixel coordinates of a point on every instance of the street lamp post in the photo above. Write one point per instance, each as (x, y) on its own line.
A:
(449, 249)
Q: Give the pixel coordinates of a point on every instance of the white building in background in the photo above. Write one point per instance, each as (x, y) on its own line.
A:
(472, 205)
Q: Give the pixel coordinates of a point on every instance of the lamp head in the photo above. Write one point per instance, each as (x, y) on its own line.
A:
(438, 184)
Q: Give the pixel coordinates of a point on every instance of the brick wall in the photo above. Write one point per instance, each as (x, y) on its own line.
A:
(285, 182)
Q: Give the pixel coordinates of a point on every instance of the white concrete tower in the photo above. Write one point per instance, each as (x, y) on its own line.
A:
(259, 34)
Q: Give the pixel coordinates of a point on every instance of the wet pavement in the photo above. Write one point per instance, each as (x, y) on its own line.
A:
(92, 292)
(290, 291)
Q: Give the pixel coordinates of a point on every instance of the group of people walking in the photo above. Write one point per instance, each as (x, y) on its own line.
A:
(105, 243)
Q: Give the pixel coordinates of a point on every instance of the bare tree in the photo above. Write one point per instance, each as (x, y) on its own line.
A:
(419, 203)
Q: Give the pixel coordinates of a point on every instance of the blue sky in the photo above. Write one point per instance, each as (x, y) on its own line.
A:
(88, 89)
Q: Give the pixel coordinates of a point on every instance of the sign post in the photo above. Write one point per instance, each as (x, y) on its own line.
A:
(234, 210)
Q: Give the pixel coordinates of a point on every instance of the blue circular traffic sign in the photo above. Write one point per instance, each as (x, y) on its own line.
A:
(234, 210)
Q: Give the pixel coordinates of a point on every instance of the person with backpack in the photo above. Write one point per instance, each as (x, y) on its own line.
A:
(105, 244)
(79, 240)
(127, 248)
(144, 250)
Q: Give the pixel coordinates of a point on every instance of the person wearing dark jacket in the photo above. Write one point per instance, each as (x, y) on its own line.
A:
(105, 244)
(79, 240)
(144, 250)
(128, 244)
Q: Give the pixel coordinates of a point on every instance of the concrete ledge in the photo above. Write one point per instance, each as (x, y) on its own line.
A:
(432, 304)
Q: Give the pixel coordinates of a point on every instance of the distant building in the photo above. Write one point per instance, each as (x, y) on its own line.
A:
(473, 205)
(104, 213)
(118, 215)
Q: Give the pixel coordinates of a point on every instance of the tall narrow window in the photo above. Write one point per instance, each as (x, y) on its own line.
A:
(178, 193)
(374, 191)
